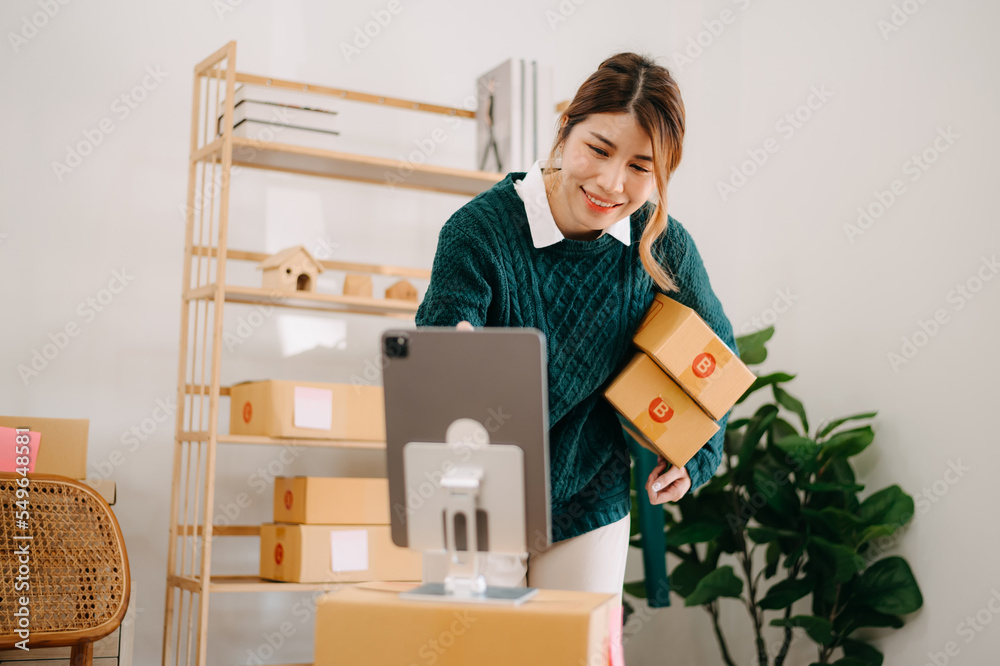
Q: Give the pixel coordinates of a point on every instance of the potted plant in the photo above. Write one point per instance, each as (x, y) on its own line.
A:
(791, 492)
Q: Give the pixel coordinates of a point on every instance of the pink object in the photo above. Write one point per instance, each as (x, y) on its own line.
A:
(9, 449)
(615, 631)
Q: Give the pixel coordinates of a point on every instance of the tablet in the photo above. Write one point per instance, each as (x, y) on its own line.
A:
(498, 376)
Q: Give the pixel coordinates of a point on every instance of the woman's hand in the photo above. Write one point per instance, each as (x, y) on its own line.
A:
(669, 486)
(464, 326)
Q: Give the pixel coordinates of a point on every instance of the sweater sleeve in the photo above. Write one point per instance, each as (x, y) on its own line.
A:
(463, 280)
(696, 293)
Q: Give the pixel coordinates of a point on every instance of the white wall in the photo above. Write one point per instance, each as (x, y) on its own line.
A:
(781, 232)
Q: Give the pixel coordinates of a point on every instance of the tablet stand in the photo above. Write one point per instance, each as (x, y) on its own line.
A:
(472, 477)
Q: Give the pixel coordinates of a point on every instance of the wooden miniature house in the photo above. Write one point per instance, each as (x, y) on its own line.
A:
(358, 285)
(402, 290)
(292, 269)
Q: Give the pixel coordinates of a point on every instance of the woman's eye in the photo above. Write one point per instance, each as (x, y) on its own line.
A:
(598, 150)
(640, 169)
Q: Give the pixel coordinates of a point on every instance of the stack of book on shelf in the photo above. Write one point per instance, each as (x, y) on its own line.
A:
(274, 115)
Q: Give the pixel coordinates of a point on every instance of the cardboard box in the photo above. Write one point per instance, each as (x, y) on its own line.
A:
(696, 358)
(104, 487)
(317, 500)
(280, 408)
(334, 553)
(362, 626)
(62, 445)
(658, 413)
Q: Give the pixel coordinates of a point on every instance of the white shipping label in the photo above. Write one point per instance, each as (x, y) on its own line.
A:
(313, 408)
(349, 550)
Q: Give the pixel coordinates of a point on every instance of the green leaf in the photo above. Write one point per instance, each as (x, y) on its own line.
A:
(698, 531)
(754, 356)
(753, 345)
(889, 506)
(721, 582)
(751, 437)
(686, 576)
(840, 522)
(827, 487)
(785, 593)
(837, 470)
(767, 380)
(863, 652)
(832, 425)
(855, 617)
(800, 453)
(888, 586)
(636, 588)
(849, 661)
(769, 534)
(818, 628)
(780, 428)
(795, 554)
(791, 404)
(874, 532)
(848, 443)
(777, 490)
(840, 561)
(771, 559)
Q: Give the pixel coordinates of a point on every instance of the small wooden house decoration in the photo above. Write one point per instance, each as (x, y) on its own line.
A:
(292, 269)
(358, 285)
(402, 290)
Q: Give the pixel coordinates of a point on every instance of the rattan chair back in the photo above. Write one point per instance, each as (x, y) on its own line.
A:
(61, 552)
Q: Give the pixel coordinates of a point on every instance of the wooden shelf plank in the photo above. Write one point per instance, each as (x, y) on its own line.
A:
(220, 530)
(289, 441)
(386, 307)
(353, 96)
(257, 440)
(258, 584)
(350, 267)
(318, 301)
(255, 154)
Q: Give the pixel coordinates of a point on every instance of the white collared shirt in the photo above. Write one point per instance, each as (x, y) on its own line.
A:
(544, 231)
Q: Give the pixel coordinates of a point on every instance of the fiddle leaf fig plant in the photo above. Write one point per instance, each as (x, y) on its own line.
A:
(789, 493)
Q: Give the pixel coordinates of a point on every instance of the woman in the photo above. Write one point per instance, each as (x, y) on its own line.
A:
(577, 247)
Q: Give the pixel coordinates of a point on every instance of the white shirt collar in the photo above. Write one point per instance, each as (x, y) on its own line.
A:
(544, 231)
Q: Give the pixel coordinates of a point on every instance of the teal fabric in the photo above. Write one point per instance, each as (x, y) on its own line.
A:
(652, 527)
(587, 298)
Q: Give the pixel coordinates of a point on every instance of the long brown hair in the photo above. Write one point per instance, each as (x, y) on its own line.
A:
(635, 84)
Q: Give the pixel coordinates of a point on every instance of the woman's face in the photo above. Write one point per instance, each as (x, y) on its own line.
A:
(607, 174)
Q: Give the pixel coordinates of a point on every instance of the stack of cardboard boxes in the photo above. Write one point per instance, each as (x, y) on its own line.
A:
(325, 529)
(333, 530)
(683, 380)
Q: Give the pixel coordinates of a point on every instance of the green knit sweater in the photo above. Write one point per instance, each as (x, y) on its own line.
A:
(587, 298)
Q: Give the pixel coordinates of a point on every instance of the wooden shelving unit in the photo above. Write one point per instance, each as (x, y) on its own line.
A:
(205, 293)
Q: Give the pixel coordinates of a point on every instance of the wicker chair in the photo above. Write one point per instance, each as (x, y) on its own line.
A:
(63, 566)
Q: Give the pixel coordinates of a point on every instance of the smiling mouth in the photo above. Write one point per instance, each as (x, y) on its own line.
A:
(599, 203)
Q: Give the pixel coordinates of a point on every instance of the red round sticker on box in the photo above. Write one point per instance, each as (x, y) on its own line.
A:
(279, 554)
(704, 365)
(247, 412)
(660, 411)
(288, 499)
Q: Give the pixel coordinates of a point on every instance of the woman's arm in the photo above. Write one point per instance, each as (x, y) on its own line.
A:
(463, 280)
